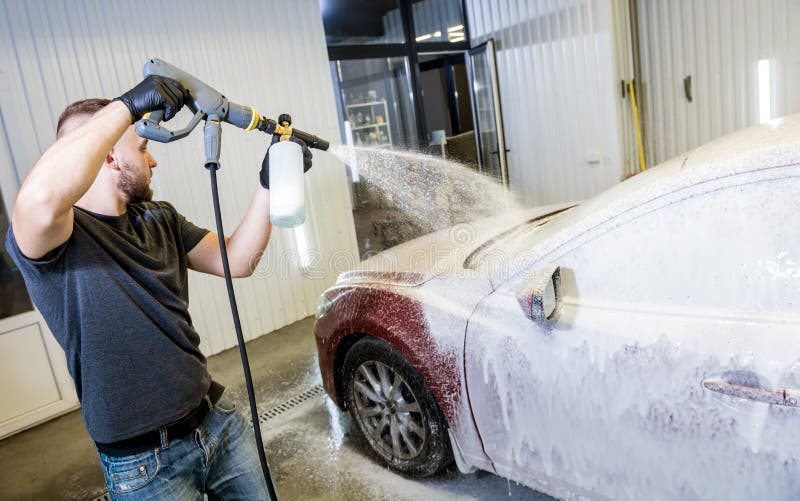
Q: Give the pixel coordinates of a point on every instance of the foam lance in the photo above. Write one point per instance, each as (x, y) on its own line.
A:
(287, 195)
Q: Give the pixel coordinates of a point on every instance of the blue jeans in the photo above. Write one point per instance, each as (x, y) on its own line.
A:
(219, 459)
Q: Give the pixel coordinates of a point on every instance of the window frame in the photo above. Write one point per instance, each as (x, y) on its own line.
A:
(410, 49)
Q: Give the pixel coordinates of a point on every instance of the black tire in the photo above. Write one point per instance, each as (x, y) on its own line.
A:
(410, 439)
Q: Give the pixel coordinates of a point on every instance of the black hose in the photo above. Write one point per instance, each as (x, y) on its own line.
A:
(212, 168)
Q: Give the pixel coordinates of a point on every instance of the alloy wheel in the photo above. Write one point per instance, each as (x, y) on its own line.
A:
(388, 411)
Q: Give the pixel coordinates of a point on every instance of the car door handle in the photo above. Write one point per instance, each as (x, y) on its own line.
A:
(774, 396)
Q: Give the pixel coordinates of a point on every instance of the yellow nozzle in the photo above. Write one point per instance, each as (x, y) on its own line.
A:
(284, 130)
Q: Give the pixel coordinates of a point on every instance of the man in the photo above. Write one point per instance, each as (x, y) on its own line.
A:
(107, 267)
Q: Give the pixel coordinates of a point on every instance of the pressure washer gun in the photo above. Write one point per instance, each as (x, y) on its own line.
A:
(287, 207)
(208, 104)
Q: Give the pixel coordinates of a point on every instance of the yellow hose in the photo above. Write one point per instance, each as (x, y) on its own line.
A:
(642, 165)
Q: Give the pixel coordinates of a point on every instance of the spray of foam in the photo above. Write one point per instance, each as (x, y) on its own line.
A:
(435, 192)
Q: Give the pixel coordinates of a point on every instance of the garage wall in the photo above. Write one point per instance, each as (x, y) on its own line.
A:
(559, 72)
(718, 43)
(270, 55)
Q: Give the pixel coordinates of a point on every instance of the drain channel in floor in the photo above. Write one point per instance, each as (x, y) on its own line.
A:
(314, 391)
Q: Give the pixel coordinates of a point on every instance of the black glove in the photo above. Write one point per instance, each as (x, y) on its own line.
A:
(154, 93)
(264, 173)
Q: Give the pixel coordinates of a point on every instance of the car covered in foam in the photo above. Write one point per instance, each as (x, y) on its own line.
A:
(644, 344)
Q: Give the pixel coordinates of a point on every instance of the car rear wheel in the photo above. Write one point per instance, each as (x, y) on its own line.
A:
(394, 409)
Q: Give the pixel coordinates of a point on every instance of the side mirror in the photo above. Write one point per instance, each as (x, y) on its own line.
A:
(540, 295)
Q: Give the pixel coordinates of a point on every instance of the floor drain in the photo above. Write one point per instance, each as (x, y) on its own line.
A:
(314, 391)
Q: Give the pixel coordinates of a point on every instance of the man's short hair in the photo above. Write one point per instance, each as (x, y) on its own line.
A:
(86, 107)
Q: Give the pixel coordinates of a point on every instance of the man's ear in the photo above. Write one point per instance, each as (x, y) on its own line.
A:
(111, 161)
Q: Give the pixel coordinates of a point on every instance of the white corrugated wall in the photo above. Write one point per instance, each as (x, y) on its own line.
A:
(718, 43)
(559, 72)
(267, 54)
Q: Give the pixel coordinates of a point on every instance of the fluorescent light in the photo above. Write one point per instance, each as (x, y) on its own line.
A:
(302, 246)
(422, 38)
(764, 104)
(456, 34)
(437, 34)
(455, 28)
(459, 39)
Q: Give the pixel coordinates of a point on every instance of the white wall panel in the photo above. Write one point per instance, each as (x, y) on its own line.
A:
(559, 73)
(267, 54)
(718, 43)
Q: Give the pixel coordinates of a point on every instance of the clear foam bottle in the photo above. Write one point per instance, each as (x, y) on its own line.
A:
(287, 207)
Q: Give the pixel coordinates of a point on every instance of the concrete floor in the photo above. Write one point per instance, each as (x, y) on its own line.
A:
(312, 450)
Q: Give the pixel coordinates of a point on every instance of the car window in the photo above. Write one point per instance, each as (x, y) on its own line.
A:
(510, 242)
(736, 247)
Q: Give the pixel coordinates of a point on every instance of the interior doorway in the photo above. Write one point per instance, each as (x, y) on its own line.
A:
(445, 93)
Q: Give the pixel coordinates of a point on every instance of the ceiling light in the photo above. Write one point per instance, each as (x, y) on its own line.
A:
(422, 38)
(455, 28)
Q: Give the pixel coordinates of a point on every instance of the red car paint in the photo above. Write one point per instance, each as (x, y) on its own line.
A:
(385, 313)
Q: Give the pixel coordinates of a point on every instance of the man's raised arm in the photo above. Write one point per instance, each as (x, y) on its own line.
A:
(42, 217)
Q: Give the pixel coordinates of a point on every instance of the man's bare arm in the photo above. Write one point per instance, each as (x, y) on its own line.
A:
(42, 216)
(244, 246)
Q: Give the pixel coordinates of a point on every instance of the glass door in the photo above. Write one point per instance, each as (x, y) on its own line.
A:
(376, 109)
(488, 115)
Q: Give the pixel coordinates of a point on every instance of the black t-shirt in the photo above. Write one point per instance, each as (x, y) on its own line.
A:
(116, 298)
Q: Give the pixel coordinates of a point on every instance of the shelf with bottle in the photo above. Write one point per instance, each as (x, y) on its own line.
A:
(369, 123)
(371, 126)
(374, 145)
(366, 119)
(372, 137)
(371, 103)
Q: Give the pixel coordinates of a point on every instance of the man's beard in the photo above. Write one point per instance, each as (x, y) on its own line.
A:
(136, 188)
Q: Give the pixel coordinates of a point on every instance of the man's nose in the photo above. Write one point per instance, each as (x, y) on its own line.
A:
(151, 160)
